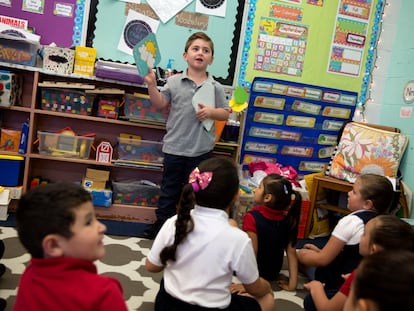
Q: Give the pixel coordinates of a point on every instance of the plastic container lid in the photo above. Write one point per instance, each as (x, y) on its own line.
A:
(11, 157)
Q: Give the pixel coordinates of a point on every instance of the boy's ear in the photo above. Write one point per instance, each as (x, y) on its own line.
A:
(51, 246)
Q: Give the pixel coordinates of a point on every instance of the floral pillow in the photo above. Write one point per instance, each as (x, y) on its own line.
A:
(363, 149)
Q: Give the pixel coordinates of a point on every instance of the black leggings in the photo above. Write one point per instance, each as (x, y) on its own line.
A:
(166, 302)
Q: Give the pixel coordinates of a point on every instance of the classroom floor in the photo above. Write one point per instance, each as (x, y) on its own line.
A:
(124, 260)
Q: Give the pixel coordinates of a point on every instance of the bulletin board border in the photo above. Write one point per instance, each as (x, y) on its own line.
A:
(237, 35)
(370, 58)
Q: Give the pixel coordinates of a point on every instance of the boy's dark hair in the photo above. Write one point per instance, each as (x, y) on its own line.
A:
(379, 190)
(219, 194)
(199, 35)
(386, 278)
(392, 233)
(48, 209)
(281, 190)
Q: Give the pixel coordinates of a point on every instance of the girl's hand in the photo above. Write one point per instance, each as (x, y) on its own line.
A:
(237, 289)
(314, 285)
(284, 284)
(312, 247)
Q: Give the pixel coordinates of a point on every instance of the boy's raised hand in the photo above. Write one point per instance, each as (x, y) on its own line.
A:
(150, 78)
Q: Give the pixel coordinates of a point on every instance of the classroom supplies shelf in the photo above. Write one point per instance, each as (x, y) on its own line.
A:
(52, 166)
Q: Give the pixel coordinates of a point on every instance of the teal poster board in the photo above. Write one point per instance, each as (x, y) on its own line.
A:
(110, 27)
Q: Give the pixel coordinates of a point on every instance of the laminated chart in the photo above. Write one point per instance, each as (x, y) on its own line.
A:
(349, 37)
(281, 47)
(294, 124)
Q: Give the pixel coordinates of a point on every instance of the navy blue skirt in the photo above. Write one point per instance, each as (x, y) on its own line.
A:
(166, 302)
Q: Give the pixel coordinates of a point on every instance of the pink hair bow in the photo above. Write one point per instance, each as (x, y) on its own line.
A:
(199, 180)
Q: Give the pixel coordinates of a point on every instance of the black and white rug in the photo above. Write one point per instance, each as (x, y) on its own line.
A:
(124, 260)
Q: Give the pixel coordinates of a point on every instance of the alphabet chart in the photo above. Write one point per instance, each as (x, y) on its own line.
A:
(281, 47)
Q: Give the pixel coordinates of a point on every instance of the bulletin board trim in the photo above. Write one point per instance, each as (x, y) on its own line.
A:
(370, 58)
(232, 65)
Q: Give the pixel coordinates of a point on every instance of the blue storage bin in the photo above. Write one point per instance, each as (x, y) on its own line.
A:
(11, 170)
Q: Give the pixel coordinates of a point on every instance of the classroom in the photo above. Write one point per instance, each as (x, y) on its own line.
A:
(319, 92)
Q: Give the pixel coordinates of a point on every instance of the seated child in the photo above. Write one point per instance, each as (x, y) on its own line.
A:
(371, 195)
(198, 249)
(56, 223)
(272, 225)
(382, 233)
(384, 282)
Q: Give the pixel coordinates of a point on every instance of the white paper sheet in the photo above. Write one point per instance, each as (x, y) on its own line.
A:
(166, 9)
(205, 95)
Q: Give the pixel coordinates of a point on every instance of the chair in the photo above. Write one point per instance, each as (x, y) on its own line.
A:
(345, 183)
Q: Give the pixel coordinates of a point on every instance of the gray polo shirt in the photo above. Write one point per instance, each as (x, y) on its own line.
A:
(186, 135)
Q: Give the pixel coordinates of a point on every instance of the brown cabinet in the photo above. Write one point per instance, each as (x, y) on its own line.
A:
(57, 168)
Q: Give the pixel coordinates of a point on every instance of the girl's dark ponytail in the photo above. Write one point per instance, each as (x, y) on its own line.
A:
(183, 225)
(293, 217)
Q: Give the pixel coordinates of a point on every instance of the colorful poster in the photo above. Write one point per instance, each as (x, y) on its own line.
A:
(349, 38)
(281, 47)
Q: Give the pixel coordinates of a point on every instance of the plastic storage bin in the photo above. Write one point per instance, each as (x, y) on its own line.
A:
(67, 100)
(135, 193)
(11, 170)
(139, 107)
(136, 150)
(18, 50)
(67, 146)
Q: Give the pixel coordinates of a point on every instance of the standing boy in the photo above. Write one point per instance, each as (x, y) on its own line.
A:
(189, 140)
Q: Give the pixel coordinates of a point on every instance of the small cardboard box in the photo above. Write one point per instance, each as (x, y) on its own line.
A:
(10, 140)
(101, 197)
(97, 174)
(84, 61)
(4, 203)
(95, 179)
(59, 60)
(89, 183)
(10, 89)
(15, 192)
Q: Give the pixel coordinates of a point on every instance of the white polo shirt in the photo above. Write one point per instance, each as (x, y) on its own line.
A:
(206, 259)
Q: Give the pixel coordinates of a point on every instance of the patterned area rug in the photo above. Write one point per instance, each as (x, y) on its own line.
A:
(124, 260)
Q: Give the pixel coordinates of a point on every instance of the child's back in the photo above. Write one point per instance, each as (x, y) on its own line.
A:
(199, 250)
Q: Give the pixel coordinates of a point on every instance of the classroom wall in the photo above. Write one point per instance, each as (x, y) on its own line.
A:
(395, 67)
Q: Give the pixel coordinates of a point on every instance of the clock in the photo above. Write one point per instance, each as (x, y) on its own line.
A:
(408, 93)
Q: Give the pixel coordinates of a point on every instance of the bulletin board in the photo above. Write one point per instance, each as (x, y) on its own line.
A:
(59, 21)
(323, 42)
(113, 18)
(294, 124)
